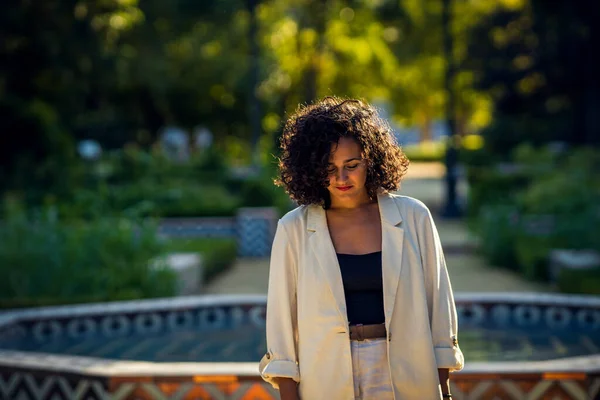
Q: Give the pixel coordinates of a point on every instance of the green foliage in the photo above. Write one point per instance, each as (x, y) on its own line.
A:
(476, 158)
(496, 228)
(425, 151)
(580, 281)
(137, 183)
(218, 255)
(140, 184)
(492, 185)
(548, 200)
(45, 261)
(532, 253)
(506, 133)
(118, 71)
(261, 192)
(175, 199)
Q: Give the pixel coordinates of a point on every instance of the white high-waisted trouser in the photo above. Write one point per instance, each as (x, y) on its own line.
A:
(371, 371)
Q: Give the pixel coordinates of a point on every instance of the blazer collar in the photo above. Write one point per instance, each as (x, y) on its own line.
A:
(317, 220)
(392, 239)
(388, 209)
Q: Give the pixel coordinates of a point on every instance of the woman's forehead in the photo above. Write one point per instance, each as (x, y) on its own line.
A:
(346, 149)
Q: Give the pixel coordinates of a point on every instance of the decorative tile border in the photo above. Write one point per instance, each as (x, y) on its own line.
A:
(144, 317)
(528, 316)
(47, 385)
(531, 387)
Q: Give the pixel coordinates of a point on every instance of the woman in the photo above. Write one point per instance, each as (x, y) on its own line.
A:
(359, 303)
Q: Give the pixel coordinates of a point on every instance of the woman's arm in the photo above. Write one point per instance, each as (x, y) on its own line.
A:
(444, 375)
(281, 360)
(440, 299)
(288, 389)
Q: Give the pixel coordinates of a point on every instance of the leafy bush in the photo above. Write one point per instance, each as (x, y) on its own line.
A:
(496, 229)
(555, 200)
(140, 184)
(489, 186)
(579, 281)
(48, 262)
(262, 192)
(218, 254)
(132, 164)
(425, 151)
(146, 198)
(532, 252)
(507, 132)
(176, 199)
(569, 198)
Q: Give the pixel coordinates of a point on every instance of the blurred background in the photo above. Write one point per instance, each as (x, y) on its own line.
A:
(137, 130)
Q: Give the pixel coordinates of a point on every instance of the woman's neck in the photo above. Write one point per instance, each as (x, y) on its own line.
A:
(351, 204)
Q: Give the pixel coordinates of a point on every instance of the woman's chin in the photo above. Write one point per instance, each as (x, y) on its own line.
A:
(345, 195)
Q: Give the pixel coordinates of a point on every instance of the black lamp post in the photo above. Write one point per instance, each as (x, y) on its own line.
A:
(451, 208)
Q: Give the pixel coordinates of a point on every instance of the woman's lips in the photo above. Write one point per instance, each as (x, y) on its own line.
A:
(343, 188)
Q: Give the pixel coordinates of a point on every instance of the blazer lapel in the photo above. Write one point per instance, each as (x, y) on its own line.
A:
(324, 252)
(392, 237)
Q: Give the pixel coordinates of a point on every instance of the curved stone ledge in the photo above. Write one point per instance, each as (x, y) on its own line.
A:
(111, 368)
(43, 376)
(231, 300)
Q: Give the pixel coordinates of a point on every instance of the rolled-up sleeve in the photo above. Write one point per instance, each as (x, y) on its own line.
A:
(440, 299)
(281, 359)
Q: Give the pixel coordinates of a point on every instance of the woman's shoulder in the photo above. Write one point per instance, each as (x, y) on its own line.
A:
(408, 205)
(296, 217)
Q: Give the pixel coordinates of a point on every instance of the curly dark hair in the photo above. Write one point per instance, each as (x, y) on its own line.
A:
(306, 146)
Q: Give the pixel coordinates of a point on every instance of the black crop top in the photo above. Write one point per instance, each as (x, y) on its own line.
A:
(363, 287)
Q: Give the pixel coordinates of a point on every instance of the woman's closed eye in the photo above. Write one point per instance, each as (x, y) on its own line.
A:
(347, 167)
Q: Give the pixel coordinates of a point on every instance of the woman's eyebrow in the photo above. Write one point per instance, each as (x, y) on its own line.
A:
(348, 160)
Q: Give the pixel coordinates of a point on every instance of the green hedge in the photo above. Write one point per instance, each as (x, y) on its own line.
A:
(46, 262)
(135, 183)
(491, 185)
(218, 254)
(549, 200)
(579, 281)
(496, 227)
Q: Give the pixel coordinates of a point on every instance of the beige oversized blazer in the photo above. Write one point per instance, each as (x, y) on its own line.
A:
(307, 326)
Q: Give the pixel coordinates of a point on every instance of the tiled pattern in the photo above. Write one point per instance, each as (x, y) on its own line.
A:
(581, 387)
(198, 329)
(19, 385)
(255, 230)
(16, 385)
(47, 386)
(144, 323)
(185, 334)
(528, 316)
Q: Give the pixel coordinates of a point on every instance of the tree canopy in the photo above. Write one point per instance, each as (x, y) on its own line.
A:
(117, 71)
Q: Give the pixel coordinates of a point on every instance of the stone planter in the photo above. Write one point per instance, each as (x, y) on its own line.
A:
(187, 267)
(571, 259)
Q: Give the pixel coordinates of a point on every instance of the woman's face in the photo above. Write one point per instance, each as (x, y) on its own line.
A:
(347, 171)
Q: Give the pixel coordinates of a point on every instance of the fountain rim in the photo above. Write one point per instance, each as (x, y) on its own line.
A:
(158, 304)
(120, 368)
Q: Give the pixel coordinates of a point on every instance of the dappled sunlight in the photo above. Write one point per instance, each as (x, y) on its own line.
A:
(138, 195)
